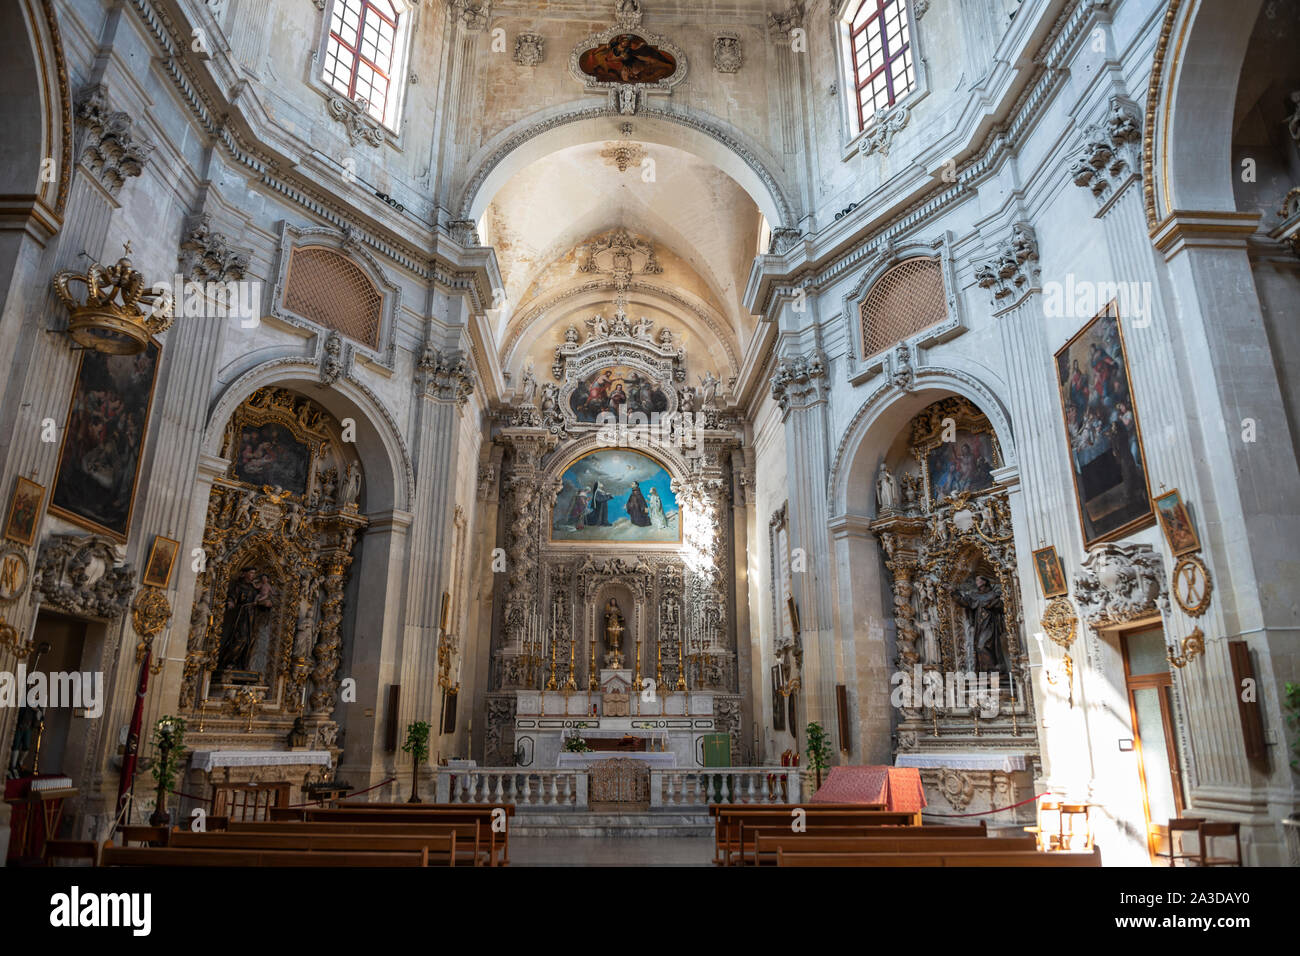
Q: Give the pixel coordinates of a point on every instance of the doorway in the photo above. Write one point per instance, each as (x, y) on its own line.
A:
(1150, 698)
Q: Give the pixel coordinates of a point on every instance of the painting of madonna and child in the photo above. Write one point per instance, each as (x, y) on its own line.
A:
(616, 495)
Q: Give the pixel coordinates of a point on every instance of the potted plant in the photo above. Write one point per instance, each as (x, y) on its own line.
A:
(1291, 825)
(819, 750)
(169, 741)
(574, 744)
(417, 745)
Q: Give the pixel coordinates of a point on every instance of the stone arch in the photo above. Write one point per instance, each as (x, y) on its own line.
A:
(705, 136)
(390, 482)
(38, 125)
(1187, 144)
(885, 413)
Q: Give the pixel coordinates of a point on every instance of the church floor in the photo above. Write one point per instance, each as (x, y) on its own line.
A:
(611, 851)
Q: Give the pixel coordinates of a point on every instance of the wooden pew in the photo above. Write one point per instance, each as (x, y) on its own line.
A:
(766, 844)
(1091, 858)
(732, 822)
(145, 836)
(189, 856)
(469, 848)
(440, 847)
(411, 814)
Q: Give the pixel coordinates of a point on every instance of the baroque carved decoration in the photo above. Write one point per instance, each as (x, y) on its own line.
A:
(209, 256)
(1059, 621)
(1013, 270)
(83, 576)
(620, 255)
(879, 137)
(800, 381)
(356, 119)
(530, 49)
(728, 54)
(445, 377)
(109, 148)
(1120, 583)
(1110, 151)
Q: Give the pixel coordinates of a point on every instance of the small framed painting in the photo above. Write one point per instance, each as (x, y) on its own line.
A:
(24, 511)
(1177, 523)
(778, 700)
(162, 556)
(1051, 576)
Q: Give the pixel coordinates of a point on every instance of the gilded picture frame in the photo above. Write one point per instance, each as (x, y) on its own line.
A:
(1176, 522)
(162, 561)
(24, 512)
(1051, 575)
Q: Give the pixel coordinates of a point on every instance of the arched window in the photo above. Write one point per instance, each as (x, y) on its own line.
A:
(331, 291)
(903, 301)
(362, 53)
(879, 57)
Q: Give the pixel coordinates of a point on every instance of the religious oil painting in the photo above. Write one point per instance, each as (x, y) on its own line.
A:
(270, 455)
(1177, 523)
(610, 390)
(1051, 577)
(627, 58)
(1101, 423)
(162, 556)
(104, 438)
(964, 464)
(616, 495)
(24, 511)
(246, 625)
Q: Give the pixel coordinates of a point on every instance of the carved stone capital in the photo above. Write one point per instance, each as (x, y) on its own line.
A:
(209, 256)
(1013, 270)
(800, 381)
(445, 377)
(1111, 151)
(108, 147)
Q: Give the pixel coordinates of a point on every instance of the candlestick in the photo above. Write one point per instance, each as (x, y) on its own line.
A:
(550, 684)
(592, 682)
(681, 676)
(571, 684)
(636, 678)
(659, 664)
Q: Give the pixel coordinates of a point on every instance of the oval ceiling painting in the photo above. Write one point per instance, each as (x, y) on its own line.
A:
(616, 495)
(627, 58)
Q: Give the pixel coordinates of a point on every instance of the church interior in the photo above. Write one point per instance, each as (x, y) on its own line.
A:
(594, 432)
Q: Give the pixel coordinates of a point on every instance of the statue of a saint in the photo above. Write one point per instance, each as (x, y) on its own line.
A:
(988, 624)
(613, 634)
(248, 596)
(886, 490)
(529, 388)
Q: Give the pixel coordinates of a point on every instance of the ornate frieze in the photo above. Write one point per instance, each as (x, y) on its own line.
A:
(109, 149)
(1120, 583)
(1013, 270)
(84, 576)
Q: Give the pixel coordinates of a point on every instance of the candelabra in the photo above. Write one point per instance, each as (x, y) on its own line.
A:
(681, 673)
(592, 682)
(636, 677)
(550, 684)
(659, 664)
(571, 684)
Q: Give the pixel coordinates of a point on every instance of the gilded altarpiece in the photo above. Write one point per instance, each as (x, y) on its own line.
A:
(266, 630)
(961, 685)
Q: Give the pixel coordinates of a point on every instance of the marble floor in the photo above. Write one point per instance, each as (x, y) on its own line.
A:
(611, 851)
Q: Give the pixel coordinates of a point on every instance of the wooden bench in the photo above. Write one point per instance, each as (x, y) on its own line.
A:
(742, 853)
(767, 845)
(469, 847)
(190, 856)
(441, 847)
(1090, 858)
(407, 814)
(732, 822)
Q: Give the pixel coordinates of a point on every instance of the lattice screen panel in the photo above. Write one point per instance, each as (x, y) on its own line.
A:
(329, 289)
(905, 300)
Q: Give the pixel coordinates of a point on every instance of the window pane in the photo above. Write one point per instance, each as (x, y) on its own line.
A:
(1146, 652)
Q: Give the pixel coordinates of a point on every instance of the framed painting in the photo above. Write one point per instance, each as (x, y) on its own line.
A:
(616, 496)
(270, 454)
(449, 701)
(99, 461)
(627, 58)
(1177, 523)
(162, 558)
(1051, 576)
(778, 701)
(956, 448)
(610, 389)
(24, 511)
(1101, 424)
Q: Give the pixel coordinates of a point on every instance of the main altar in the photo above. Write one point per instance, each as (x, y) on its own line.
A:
(616, 606)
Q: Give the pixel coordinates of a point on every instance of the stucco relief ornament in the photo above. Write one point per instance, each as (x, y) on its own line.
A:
(628, 13)
(880, 138)
(1120, 583)
(903, 372)
(530, 49)
(356, 119)
(728, 55)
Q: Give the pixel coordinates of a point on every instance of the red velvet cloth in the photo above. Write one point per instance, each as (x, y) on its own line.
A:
(898, 788)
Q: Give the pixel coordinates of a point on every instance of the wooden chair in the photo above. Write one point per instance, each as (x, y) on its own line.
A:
(1178, 827)
(1210, 831)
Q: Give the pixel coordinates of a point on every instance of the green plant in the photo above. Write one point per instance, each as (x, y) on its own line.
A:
(819, 750)
(1292, 705)
(169, 743)
(417, 741)
(574, 743)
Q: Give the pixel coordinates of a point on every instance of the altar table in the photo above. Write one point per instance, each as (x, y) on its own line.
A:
(654, 759)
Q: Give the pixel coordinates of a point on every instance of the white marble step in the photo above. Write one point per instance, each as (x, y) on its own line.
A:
(668, 824)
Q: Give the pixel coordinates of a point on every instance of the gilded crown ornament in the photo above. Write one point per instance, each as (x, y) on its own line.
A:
(110, 318)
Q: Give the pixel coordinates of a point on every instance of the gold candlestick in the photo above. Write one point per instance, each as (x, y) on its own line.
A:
(681, 673)
(550, 684)
(571, 684)
(592, 682)
(636, 678)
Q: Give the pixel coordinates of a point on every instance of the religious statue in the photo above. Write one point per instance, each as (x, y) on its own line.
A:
(613, 634)
(351, 485)
(550, 397)
(928, 622)
(642, 328)
(248, 597)
(988, 625)
(886, 490)
(529, 387)
(708, 389)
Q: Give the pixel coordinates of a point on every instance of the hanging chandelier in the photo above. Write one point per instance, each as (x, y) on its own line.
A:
(109, 317)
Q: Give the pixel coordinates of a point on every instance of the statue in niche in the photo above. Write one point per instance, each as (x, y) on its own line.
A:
(529, 388)
(928, 623)
(886, 490)
(614, 628)
(351, 485)
(986, 618)
(708, 389)
(248, 599)
(550, 397)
